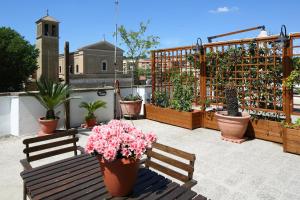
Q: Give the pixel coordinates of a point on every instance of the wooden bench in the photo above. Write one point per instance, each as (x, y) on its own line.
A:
(60, 138)
(164, 159)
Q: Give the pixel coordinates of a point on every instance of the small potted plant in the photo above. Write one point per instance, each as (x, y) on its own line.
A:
(91, 107)
(119, 147)
(291, 137)
(131, 105)
(50, 95)
(232, 123)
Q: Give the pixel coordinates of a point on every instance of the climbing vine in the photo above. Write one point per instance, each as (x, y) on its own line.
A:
(257, 72)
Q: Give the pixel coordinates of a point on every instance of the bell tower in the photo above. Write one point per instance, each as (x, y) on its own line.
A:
(47, 43)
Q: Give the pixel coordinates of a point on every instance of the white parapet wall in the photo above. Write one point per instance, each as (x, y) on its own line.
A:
(88, 95)
(19, 112)
(5, 113)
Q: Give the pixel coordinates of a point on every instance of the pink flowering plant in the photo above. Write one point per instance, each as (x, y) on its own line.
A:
(117, 140)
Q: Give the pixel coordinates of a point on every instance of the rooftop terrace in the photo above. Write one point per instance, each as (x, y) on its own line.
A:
(255, 169)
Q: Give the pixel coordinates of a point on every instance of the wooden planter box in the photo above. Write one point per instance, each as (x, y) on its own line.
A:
(262, 129)
(190, 120)
(266, 130)
(210, 121)
(291, 140)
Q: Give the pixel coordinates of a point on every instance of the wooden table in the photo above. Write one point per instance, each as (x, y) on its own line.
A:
(79, 177)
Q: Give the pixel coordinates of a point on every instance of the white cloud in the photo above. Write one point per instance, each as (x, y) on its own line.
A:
(224, 9)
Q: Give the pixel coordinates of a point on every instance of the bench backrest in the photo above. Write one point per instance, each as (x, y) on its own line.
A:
(165, 160)
(67, 137)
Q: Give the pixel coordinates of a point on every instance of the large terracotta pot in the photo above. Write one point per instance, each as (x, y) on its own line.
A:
(119, 176)
(48, 126)
(131, 108)
(90, 123)
(232, 128)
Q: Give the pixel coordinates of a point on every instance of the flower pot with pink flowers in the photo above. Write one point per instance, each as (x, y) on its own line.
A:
(119, 147)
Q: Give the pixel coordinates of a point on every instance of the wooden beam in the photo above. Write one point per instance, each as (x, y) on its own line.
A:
(67, 81)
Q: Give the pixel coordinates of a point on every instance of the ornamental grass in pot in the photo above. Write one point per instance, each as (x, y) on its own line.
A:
(91, 107)
(232, 123)
(119, 147)
(50, 95)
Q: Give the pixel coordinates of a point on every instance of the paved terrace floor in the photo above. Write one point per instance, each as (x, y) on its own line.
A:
(255, 169)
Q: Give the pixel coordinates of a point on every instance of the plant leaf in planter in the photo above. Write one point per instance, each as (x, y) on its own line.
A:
(91, 107)
(183, 93)
(132, 97)
(51, 95)
(161, 99)
(232, 99)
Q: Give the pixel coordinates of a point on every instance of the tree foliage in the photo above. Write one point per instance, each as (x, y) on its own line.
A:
(18, 60)
(137, 42)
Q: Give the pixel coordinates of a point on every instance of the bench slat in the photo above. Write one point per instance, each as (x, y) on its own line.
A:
(62, 133)
(171, 161)
(174, 151)
(167, 171)
(50, 145)
(51, 153)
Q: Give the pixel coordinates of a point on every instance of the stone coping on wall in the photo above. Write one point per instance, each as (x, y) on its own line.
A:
(76, 90)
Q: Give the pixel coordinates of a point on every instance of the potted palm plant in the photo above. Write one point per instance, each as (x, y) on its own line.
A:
(232, 123)
(91, 107)
(50, 95)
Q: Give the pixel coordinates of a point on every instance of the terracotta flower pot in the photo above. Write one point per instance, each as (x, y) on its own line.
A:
(119, 176)
(90, 122)
(131, 108)
(232, 128)
(48, 126)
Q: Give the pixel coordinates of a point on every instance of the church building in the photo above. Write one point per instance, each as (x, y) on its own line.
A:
(94, 66)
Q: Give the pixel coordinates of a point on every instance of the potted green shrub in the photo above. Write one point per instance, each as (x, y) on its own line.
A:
(161, 99)
(232, 123)
(50, 95)
(91, 107)
(183, 94)
(176, 109)
(131, 105)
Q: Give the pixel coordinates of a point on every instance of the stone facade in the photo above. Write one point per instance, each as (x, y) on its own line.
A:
(47, 43)
(93, 66)
(142, 63)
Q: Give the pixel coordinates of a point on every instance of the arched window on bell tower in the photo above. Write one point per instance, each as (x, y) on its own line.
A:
(54, 33)
(46, 29)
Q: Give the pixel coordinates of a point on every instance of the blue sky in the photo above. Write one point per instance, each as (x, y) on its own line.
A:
(176, 22)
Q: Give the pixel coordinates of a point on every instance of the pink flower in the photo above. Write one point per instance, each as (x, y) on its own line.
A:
(110, 153)
(126, 152)
(118, 137)
(150, 138)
